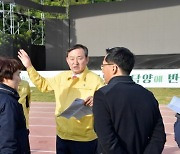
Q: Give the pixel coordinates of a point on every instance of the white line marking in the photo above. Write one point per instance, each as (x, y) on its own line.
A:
(169, 123)
(40, 112)
(43, 151)
(172, 146)
(167, 133)
(166, 111)
(41, 136)
(41, 118)
(41, 107)
(169, 117)
(42, 125)
(35, 102)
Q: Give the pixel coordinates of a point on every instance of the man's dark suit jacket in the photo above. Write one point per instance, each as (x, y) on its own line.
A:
(127, 119)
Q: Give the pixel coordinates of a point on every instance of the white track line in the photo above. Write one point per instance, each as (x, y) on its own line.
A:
(168, 123)
(42, 125)
(42, 151)
(171, 146)
(41, 136)
(166, 116)
(167, 133)
(40, 112)
(40, 118)
(166, 111)
(41, 107)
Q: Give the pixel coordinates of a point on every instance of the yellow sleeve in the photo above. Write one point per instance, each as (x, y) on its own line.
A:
(25, 99)
(40, 82)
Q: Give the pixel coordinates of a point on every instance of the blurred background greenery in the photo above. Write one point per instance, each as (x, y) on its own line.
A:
(163, 95)
(37, 96)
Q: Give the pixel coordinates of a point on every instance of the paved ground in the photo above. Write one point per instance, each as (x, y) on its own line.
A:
(42, 129)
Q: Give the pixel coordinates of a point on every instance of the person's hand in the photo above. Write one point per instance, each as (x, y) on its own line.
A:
(89, 101)
(23, 56)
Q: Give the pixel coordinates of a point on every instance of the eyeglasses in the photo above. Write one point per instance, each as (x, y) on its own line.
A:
(102, 66)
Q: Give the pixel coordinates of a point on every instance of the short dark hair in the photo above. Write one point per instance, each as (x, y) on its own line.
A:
(122, 57)
(78, 46)
(8, 66)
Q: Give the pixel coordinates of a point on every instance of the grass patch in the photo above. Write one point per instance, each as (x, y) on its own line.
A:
(37, 96)
(163, 95)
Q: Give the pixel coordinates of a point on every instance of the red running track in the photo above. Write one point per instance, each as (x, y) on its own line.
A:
(43, 132)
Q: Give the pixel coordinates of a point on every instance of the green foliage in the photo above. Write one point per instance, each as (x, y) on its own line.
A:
(30, 30)
(163, 95)
(37, 96)
(66, 3)
(10, 44)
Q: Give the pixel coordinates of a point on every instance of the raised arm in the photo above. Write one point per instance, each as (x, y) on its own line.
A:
(43, 84)
(25, 59)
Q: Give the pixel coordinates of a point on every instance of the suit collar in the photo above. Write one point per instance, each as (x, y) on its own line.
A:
(123, 79)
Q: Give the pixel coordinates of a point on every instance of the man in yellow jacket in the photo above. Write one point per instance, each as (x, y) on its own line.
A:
(25, 99)
(74, 136)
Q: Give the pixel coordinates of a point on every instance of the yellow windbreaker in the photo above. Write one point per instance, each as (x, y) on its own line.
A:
(66, 90)
(25, 99)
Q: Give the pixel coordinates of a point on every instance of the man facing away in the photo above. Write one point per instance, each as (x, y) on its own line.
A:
(127, 117)
(73, 136)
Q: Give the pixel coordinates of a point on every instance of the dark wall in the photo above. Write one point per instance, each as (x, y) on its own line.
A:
(57, 43)
(163, 61)
(10, 46)
(38, 57)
